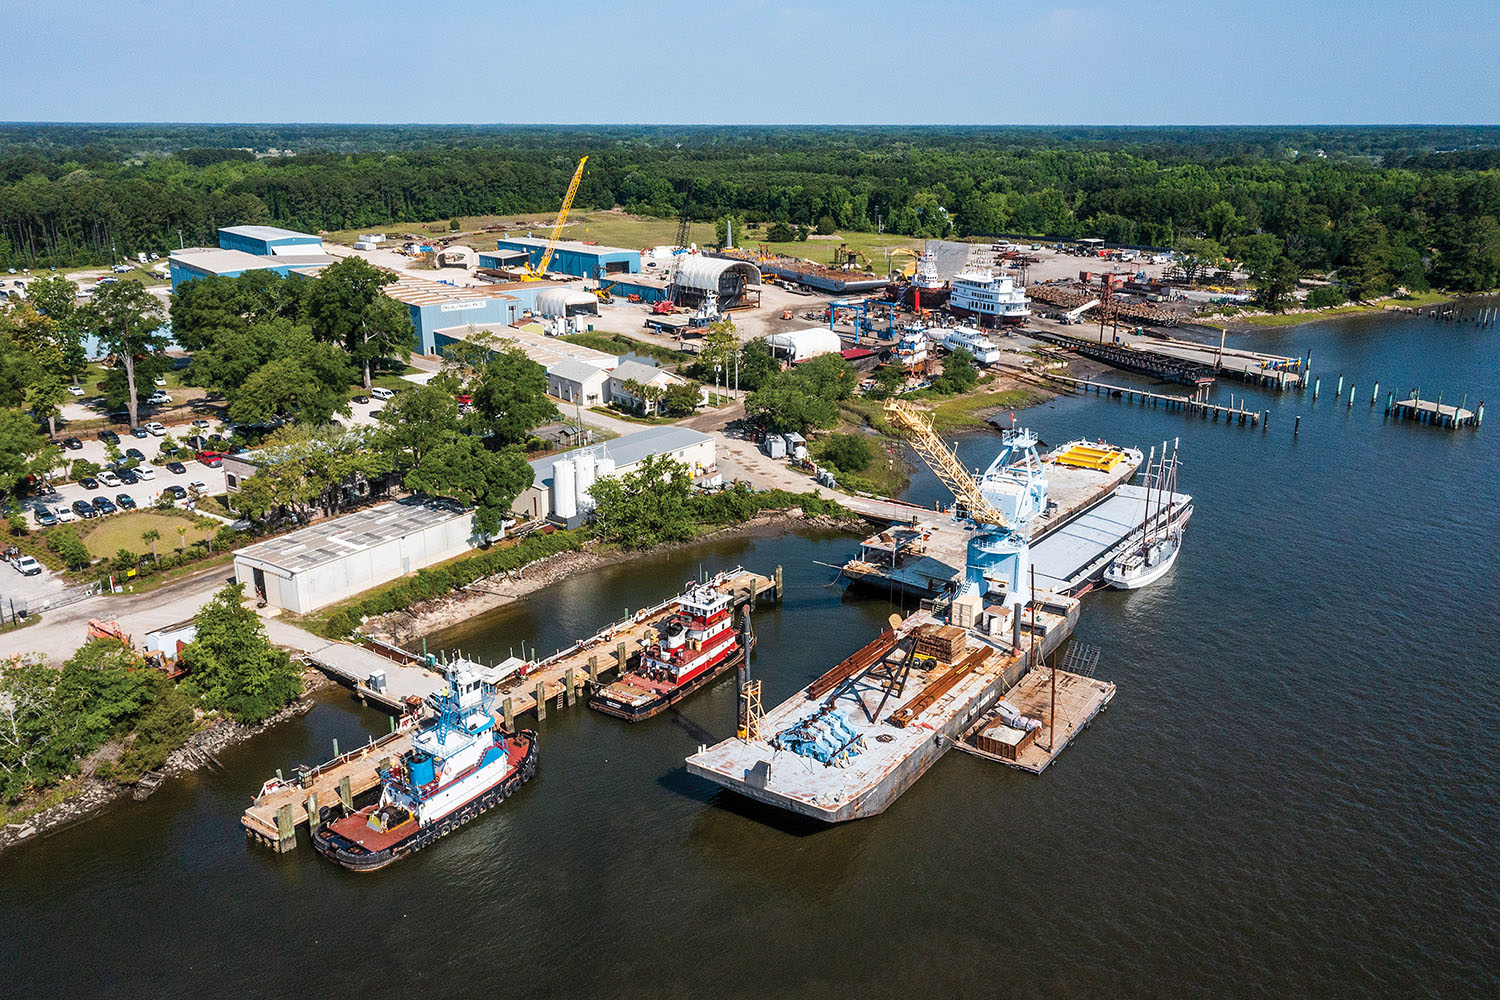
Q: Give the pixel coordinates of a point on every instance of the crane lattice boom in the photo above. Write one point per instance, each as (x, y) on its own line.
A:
(945, 464)
(562, 217)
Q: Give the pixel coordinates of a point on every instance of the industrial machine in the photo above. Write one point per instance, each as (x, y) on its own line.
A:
(540, 271)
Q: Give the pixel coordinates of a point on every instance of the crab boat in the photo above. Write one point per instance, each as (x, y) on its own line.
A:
(692, 645)
(459, 766)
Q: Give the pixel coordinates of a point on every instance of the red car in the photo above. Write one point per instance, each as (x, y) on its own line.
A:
(212, 459)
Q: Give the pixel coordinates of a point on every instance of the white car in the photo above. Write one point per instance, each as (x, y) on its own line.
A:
(27, 566)
(198, 486)
(107, 478)
(159, 380)
(145, 472)
(64, 514)
(155, 428)
(157, 398)
(76, 390)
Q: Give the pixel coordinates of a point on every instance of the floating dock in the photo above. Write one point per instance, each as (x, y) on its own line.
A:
(285, 804)
(1078, 699)
(906, 698)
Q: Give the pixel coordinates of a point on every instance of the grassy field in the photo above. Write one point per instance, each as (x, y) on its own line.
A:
(968, 412)
(123, 531)
(1414, 301)
(618, 343)
(633, 231)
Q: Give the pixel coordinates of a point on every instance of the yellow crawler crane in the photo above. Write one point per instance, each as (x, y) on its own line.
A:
(540, 271)
(916, 426)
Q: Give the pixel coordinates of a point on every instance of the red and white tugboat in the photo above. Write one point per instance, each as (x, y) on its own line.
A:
(694, 644)
(457, 767)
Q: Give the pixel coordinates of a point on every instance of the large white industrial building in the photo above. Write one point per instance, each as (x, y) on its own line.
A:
(328, 562)
(560, 483)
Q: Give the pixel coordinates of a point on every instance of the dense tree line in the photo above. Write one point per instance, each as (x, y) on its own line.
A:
(1382, 202)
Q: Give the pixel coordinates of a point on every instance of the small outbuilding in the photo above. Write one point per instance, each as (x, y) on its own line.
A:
(799, 345)
(580, 382)
(563, 302)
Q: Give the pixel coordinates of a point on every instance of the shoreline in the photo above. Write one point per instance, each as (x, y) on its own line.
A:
(423, 620)
(91, 796)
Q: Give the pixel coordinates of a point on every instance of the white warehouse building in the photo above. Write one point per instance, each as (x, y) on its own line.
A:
(334, 560)
(560, 482)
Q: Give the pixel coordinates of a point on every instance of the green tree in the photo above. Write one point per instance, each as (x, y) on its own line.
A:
(231, 664)
(728, 230)
(151, 536)
(785, 403)
(308, 386)
(127, 320)
(417, 421)
(1325, 296)
(848, 452)
(1198, 257)
(959, 374)
(647, 507)
(681, 398)
(348, 305)
(888, 382)
(463, 469)
(510, 397)
(757, 365)
(780, 232)
(23, 449)
(1274, 282)
(827, 376)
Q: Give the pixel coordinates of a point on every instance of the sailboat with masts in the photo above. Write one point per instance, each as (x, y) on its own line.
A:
(1161, 528)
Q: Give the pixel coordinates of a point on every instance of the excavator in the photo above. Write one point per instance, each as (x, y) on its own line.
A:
(539, 272)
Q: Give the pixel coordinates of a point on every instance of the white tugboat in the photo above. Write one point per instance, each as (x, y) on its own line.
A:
(911, 350)
(457, 767)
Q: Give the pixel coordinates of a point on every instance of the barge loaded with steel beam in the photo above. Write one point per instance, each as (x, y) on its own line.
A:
(846, 746)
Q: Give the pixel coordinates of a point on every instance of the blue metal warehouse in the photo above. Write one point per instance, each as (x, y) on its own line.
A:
(201, 262)
(581, 260)
(436, 306)
(268, 241)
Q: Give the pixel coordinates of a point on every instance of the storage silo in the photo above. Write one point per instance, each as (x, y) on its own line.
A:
(604, 467)
(585, 461)
(564, 489)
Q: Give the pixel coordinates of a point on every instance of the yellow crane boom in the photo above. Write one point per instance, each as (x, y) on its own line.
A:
(540, 271)
(916, 426)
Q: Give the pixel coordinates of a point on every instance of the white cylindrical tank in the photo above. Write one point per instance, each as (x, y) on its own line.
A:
(564, 489)
(585, 473)
(604, 467)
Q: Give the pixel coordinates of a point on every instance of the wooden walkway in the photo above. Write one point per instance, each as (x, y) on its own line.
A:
(1192, 405)
(284, 804)
(1428, 411)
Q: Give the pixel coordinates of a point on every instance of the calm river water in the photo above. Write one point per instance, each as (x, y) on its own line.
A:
(1292, 794)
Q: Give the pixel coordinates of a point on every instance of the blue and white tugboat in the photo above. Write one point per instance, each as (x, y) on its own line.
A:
(457, 767)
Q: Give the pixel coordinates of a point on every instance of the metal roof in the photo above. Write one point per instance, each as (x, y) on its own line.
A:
(705, 273)
(642, 373)
(267, 233)
(576, 371)
(216, 261)
(626, 451)
(330, 541)
(555, 301)
(571, 246)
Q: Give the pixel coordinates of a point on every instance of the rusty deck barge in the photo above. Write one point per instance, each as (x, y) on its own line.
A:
(906, 705)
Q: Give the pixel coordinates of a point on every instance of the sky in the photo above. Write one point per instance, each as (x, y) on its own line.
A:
(1129, 62)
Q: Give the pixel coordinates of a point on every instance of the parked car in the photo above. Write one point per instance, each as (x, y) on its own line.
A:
(212, 459)
(237, 449)
(126, 501)
(174, 493)
(155, 429)
(75, 390)
(202, 425)
(64, 514)
(176, 467)
(73, 444)
(26, 566)
(89, 483)
(136, 454)
(44, 516)
(104, 505)
(145, 473)
(109, 437)
(108, 478)
(159, 398)
(84, 509)
(129, 477)
(198, 486)
(361, 399)
(138, 432)
(159, 380)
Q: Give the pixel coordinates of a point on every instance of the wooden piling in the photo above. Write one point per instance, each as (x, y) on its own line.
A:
(571, 680)
(510, 714)
(1297, 427)
(594, 669)
(313, 819)
(778, 582)
(1317, 384)
(346, 796)
(620, 658)
(541, 700)
(286, 830)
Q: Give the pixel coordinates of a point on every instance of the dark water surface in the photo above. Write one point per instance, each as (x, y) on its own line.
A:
(1292, 794)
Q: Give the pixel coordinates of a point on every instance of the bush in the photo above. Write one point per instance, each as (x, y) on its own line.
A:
(125, 560)
(848, 452)
(69, 547)
(780, 232)
(826, 226)
(1325, 296)
(84, 469)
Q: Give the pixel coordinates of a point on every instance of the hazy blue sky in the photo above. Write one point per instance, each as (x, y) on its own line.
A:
(1127, 61)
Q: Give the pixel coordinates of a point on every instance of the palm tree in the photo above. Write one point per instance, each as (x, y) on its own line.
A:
(151, 536)
(182, 538)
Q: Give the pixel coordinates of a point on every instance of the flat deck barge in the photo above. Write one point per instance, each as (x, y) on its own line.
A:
(904, 704)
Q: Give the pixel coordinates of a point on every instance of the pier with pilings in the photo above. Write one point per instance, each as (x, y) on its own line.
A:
(1194, 405)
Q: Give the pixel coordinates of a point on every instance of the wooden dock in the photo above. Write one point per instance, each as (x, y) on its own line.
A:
(284, 804)
(1194, 405)
(1079, 699)
(1429, 411)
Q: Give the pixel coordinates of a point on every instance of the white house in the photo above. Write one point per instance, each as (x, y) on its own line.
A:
(646, 375)
(581, 382)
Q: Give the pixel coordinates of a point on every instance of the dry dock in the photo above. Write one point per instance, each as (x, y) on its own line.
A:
(284, 804)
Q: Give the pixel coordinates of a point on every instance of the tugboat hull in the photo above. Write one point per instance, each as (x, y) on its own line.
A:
(645, 710)
(377, 852)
